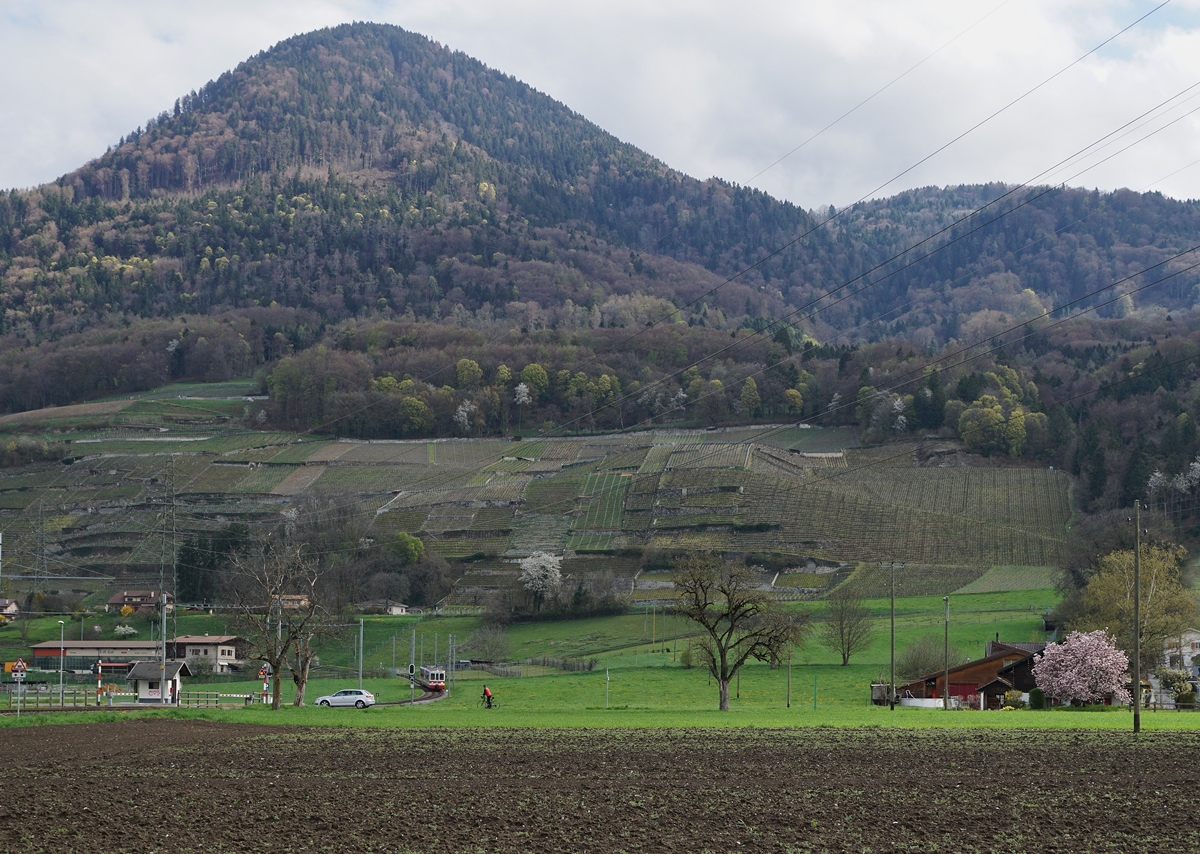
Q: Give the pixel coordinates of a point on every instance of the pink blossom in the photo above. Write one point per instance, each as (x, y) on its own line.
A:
(1085, 668)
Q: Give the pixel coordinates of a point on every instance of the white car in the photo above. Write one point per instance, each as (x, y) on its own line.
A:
(356, 697)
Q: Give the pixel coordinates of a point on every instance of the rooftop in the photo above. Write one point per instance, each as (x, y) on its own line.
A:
(93, 644)
(153, 670)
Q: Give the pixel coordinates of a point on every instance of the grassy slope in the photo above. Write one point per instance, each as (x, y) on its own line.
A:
(648, 687)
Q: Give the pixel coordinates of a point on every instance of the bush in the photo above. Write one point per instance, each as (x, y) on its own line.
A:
(489, 643)
(1176, 681)
(201, 666)
(685, 657)
(1187, 698)
(1037, 699)
(1013, 699)
(924, 657)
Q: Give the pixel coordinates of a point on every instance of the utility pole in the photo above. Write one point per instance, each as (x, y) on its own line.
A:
(174, 545)
(162, 676)
(360, 651)
(892, 677)
(789, 681)
(62, 631)
(946, 659)
(39, 581)
(1137, 618)
(412, 666)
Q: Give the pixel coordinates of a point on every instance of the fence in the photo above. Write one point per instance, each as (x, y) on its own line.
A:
(571, 665)
(73, 698)
(497, 670)
(204, 699)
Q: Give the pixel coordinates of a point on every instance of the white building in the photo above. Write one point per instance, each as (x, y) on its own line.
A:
(148, 679)
(226, 652)
(1183, 651)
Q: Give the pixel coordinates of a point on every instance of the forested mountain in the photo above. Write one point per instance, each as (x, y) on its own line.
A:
(438, 227)
(366, 169)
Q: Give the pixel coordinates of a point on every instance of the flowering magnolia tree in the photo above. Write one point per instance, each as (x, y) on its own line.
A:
(541, 574)
(1085, 668)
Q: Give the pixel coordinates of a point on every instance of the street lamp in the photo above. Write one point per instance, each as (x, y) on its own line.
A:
(62, 643)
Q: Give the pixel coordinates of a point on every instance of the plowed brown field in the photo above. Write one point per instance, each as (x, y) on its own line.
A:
(143, 786)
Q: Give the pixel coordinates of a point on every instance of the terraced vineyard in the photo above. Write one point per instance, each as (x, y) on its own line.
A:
(603, 501)
(799, 494)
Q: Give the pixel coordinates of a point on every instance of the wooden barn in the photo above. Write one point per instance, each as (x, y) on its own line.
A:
(987, 678)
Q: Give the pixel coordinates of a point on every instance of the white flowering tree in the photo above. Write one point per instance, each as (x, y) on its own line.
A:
(1085, 668)
(462, 416)
(522, 398)
(541, 574)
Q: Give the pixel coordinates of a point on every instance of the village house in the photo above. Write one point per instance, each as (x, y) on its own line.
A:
(141, 601)
(147, 678)
(9, 609)
(384, 606)
(226, 652)
(1183, 651)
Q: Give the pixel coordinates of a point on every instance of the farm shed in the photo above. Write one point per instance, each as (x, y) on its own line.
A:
(147, 675)
(82, 655)
(968, 680)
(383, 606)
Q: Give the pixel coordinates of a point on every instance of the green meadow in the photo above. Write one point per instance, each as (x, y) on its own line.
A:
(638, 678)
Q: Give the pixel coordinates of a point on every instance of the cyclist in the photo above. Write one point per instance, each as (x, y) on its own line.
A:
(487, 696)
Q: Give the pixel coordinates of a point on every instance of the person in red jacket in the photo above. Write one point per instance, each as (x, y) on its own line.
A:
(487, 696)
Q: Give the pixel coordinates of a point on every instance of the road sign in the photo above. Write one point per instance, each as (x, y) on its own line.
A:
(412, 668)
(18, 670)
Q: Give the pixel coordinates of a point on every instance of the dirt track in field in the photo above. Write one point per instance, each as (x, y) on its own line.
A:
(223, 787)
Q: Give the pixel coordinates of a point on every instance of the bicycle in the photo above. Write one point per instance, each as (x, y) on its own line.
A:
(483, 703)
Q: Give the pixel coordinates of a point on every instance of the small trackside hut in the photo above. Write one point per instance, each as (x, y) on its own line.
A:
(147, 679)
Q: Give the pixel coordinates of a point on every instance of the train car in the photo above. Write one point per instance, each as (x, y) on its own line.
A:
(434, 678)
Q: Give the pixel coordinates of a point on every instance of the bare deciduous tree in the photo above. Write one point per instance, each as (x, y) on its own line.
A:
(488, 643)
(737, 618)
(847, 626)
(275, 589)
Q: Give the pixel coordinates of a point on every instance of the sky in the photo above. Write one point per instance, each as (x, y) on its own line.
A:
(709, 87)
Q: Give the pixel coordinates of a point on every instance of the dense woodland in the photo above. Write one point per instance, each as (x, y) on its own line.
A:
(400, 241)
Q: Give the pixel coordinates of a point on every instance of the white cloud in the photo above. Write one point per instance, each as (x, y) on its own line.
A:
(711, 88)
